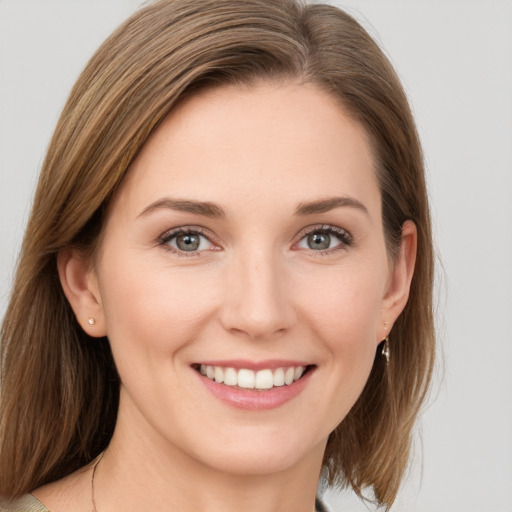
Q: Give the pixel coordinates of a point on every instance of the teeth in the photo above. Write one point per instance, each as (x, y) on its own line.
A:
(218, 374)
(264, 379)
(246, 379)
(249, 379)
(230, 377)
(288, 376)
(298, 373)
(279, 377)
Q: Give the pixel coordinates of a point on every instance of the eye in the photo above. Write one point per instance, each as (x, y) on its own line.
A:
(186, 241)
(325, 238)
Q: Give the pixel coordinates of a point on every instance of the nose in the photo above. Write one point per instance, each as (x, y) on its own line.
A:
(257, 301)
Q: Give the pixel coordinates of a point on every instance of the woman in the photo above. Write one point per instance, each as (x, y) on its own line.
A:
(225, 286)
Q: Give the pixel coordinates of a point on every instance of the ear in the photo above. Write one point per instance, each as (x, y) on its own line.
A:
(80, 285)
(399, 283)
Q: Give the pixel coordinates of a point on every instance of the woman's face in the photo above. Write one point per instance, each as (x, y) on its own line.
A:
(247, 237)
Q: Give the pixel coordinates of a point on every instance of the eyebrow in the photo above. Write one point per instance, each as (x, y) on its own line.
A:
(325, 205)
(204, 208)
(208, 209)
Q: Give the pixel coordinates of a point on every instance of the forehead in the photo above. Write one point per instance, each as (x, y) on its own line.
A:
(274, 142)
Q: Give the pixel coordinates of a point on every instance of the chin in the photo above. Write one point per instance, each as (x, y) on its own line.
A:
(260, 451)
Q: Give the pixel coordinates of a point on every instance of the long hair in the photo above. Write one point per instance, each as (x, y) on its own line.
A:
(59, 387)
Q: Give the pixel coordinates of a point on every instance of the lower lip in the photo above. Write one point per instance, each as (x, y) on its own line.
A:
(253, 399)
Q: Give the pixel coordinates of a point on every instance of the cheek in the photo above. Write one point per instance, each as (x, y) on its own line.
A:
(153, 307)
(345, 305)
(344, 310)
(347, 315)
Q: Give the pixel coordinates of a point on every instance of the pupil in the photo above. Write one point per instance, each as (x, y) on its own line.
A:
(188, 242)
(319, 241)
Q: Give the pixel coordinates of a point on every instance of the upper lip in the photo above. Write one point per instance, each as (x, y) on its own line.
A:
(270, 364)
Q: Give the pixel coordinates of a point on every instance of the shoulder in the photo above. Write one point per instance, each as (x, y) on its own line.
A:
(27, 503)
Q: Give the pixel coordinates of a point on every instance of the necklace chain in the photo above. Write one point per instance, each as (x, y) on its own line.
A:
(92, 483)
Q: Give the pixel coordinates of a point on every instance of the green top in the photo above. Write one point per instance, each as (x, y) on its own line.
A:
(29, 503)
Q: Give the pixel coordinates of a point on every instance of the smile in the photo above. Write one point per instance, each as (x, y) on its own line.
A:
(245, 378)
(254, 386)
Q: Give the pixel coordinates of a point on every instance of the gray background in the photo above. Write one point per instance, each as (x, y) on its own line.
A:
(455, 59)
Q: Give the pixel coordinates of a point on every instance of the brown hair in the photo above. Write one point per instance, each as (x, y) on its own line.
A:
(59, 389)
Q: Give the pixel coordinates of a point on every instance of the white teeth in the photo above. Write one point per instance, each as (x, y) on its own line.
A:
(264, 379)
(230, 377)
(288, 376)
(249, 379)
(246, 379)
(298, 373)
(219, 374)
(279, 377)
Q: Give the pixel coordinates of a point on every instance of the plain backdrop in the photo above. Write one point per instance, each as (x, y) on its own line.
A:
(455, 60)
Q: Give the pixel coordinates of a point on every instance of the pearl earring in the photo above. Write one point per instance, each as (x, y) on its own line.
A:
(91, 321)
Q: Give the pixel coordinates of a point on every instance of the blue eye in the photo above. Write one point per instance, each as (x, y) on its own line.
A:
(325, 238)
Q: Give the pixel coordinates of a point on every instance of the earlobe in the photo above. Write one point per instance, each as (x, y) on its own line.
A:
(397, 292)
(80, 285)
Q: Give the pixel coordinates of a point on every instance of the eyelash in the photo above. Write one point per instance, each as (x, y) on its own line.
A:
(346, 239)
(166, 237)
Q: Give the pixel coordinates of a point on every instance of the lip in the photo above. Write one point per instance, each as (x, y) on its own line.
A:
(252, 399)
(270, 364)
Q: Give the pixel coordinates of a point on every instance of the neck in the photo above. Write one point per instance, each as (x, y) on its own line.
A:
(137, 473)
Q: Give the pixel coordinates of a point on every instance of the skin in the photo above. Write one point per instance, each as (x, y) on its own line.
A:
(255, 290)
